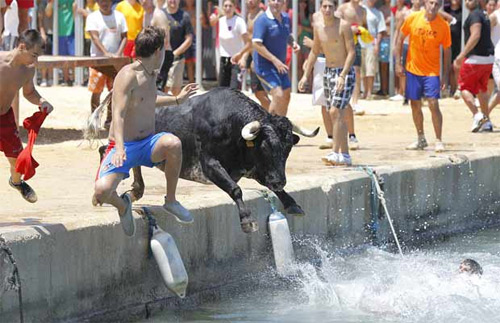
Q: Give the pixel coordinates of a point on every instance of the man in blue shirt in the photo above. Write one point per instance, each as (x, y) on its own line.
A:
(271, 34)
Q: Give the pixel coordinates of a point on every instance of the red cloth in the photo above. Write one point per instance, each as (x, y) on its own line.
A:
(25, 163)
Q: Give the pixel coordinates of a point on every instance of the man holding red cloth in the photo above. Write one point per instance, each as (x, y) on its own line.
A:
(17, 69)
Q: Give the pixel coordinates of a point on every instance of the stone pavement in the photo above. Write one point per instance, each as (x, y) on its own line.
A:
(64, 180)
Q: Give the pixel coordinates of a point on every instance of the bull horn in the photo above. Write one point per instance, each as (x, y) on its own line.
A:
(250, 130)
(304, 132)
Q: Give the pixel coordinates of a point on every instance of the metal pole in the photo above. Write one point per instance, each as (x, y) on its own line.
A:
(79, 42)
(391, 51)
(198, 66)
(317, 5)
(55, 38)
(244, 72)
(295, 24)
(465, 14)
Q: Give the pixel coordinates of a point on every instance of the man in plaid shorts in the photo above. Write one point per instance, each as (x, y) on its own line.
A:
(333, 37)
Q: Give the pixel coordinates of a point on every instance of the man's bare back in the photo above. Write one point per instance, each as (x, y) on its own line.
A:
(12, 78)
(135, 89)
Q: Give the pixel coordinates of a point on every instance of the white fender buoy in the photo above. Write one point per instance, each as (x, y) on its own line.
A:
(169, 261)
(282, 243)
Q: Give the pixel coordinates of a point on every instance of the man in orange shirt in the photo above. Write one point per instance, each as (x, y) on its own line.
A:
(427, 31)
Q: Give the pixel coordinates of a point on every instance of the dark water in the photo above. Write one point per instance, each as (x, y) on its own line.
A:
(371, 285)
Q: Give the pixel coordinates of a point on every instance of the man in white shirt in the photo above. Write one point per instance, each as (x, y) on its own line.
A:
(108, 32)
(11, 25)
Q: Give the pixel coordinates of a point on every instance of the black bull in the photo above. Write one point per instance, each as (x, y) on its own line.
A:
(212, 128)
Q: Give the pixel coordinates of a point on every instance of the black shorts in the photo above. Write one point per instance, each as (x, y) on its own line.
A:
(357, 59)
(162, 78)
(229, 74)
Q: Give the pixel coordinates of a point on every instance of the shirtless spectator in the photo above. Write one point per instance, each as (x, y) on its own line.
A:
(355, 15)
(254, 11)
(132, 138)
(17, 69)
(334, 38)
(160, 20)
(427, 31)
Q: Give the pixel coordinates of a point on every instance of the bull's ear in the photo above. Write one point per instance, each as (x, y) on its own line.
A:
(296, 139)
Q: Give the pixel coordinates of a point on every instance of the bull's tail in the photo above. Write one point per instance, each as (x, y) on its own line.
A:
(304, 132)
(93, 124)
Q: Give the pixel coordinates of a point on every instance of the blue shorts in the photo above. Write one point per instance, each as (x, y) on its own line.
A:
(138, 154)
(422, 86)
(384, 50)
(67, 45)
(271, 79)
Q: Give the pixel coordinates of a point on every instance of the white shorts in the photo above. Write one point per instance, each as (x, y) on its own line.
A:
(318, 93)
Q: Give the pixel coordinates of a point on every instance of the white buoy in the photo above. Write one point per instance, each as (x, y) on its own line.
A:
(169, 261)
(282, 242)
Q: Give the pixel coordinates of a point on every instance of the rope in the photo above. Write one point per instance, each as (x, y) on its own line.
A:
(15, 279)
(151, 226)
(380, 194)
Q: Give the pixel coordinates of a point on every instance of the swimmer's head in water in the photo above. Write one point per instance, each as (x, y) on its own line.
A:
(470, 266)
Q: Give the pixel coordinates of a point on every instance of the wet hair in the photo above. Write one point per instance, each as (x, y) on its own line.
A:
(471, 266)
(149, 40)
(30, 38)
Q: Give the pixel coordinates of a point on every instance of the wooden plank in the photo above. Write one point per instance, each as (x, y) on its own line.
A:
(107, 65)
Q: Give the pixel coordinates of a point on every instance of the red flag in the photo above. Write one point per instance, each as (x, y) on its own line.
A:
(394, 10)
(25, 163)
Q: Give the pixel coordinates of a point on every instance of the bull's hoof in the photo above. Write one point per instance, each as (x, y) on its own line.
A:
(95, 202)
(249, 225)
(294, 210)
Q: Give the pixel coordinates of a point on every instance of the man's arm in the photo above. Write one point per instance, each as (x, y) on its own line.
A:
(188, 40)
(292, 43)
(398, 51)
(163, 99)
(123, 43)
(125, 83)
(264, 52)
(446, 66)
(475, 35)
(240, 57)
(311, 59)
(94, 36)
(349, 46)
(493, 19)
(32, 95)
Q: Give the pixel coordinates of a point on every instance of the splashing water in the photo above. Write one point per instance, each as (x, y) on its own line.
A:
(372, 285)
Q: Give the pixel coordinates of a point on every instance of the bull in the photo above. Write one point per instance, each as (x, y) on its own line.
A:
(226, 136)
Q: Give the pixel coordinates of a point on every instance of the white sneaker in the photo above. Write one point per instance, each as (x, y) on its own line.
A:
(397, 97)
(358, 110)
(353, 143)
(478, 120)
(44, 83)
(420, 144)
(439, 147)
(336, 159)
(457, 95)
(327, 144)
(486, 127)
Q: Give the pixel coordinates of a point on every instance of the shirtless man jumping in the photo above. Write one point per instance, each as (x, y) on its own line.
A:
(334, 38)
(132, 138)
(17, 69)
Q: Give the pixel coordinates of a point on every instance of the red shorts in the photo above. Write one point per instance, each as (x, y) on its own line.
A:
(10, 143)
(23, 4)
(129, 49)
(474, 77)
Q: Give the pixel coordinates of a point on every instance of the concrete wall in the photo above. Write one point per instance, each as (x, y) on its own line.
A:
(96, 272)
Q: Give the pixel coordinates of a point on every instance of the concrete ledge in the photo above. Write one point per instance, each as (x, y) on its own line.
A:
(80, 271)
